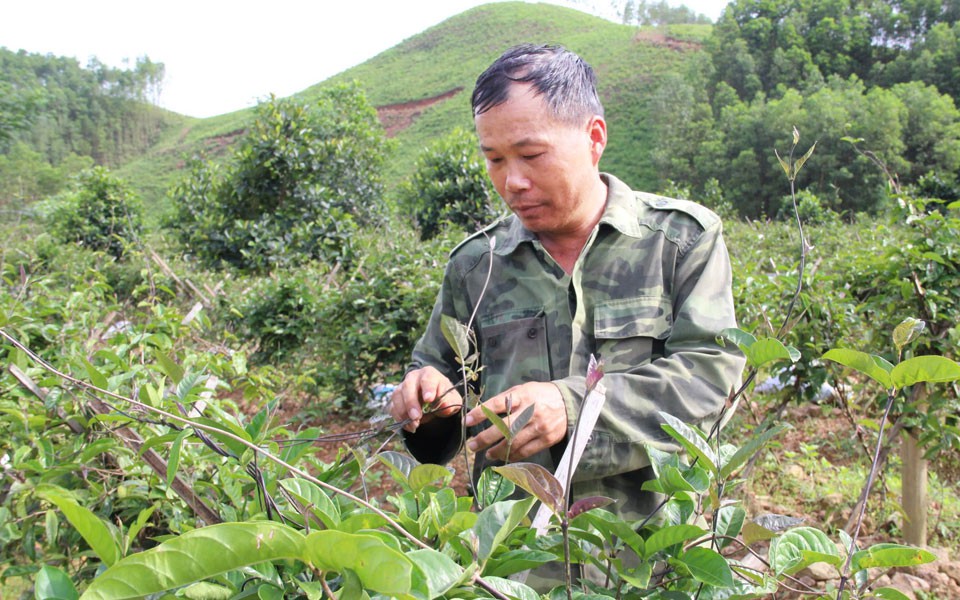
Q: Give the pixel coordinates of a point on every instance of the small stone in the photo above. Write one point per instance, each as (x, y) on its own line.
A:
(820, 571)
(906, 582)
(796, 472)
(902, 585)
(951, 570)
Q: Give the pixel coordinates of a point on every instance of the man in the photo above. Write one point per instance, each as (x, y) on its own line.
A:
(583, 266)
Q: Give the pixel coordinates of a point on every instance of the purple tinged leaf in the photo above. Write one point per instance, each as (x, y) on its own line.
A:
(536, 480)
(594, 373)
(584, 504)
(520, 421)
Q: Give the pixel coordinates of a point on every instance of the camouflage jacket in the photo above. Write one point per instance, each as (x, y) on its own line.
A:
(648, 294)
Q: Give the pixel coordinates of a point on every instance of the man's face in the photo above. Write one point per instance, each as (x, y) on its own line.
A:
(543, 168)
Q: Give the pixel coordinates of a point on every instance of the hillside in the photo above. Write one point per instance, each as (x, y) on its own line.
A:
(421, 86)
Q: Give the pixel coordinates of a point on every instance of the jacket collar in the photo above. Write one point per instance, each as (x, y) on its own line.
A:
(619, 213)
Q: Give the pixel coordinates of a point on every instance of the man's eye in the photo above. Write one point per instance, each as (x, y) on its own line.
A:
(494, 160)
(532, 156)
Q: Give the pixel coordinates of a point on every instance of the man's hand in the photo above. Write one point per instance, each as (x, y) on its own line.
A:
(421, 388)
(546, 427)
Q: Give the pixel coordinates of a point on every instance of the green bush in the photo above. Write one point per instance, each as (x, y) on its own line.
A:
(301, 182)
(100, 212)
(450, 184)
(377, 313)
(278, 314)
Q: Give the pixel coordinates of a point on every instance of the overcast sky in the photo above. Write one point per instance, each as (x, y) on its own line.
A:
(222, 56)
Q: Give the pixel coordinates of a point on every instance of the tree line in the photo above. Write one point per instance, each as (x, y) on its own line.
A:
(875, 83)
(53, 112)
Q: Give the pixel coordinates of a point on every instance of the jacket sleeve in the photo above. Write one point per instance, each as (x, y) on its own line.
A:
(438, 441)
(690, 378)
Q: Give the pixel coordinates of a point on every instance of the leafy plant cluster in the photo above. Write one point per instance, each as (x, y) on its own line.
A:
(863, 277)
(301, 182)
(350, 329)
(100, 212)
(449, 185)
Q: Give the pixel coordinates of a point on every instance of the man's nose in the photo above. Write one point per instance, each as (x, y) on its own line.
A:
(516, 181)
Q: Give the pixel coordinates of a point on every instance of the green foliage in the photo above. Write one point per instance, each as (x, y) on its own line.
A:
(375, 315)
(911, 128)
(450, 184)
(101, 212)
(302, 180)
(26, 176)
(58, 108)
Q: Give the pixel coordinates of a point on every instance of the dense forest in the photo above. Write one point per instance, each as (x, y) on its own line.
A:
(57, 117)
(875, 83)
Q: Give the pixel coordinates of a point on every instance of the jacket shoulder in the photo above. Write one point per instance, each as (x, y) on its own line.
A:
(479, 241)
(703, 216)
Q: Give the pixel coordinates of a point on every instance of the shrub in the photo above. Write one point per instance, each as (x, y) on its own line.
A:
(302, 180)
(450, 184)
(379, 311)
(100, 212)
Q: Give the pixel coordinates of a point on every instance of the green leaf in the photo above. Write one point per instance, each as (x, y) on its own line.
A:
(887, 593)
(457, 335)
(97, 447)
(314, 499)
(803, 159)
(399, 464)
(889, 556)
(188, 384)
(435, 572)
(168, 366)
(96, 377)
(93, 530)
(536, 480)
(422, 476)
(54, 584)
(907, 331)
(611, 527)
(496, 522)
(142, 518)
(741, 338)
(730, 521)
(745, 452)
(691, 440)
(196, 555)
(874, 367)
(379, 567)
(800, 547)
(173, 461)
(496, 421)
(493, 487)
(520, 420)
(784, 164)
(767, 350)
(925, 369)
(512, 589)
(708, 567)
(515, 561)
(671, 536)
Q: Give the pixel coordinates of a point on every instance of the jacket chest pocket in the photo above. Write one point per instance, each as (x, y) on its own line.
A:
(631, 332)
(513, 350)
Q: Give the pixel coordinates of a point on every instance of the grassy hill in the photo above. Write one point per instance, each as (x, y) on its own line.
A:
(444, 61)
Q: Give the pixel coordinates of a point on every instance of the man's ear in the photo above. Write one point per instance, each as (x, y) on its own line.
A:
(597, 129)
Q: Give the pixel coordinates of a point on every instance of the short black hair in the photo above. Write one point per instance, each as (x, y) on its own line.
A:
(566, 82)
